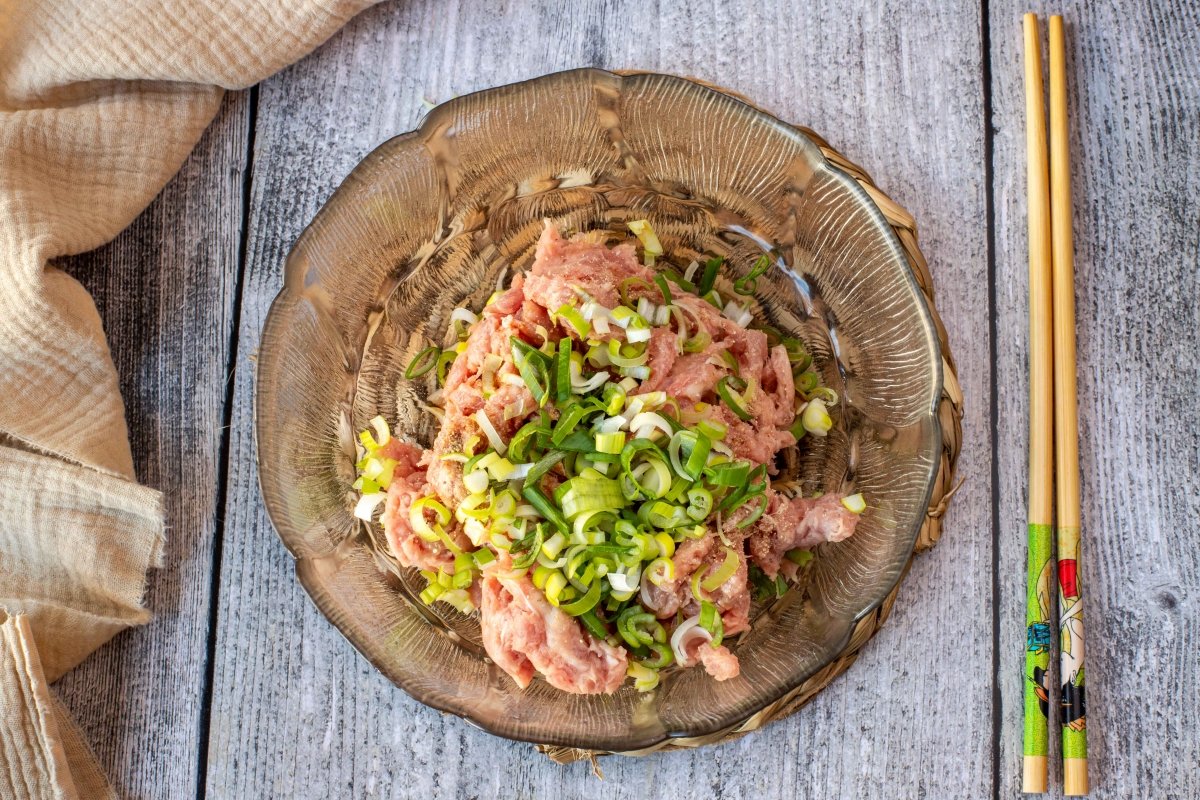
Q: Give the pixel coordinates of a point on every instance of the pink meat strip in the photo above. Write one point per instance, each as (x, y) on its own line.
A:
(509, 404)
(748, 346)
(564, 267)
(798, 523)
(408, 485)
(523, 632)
(662, 353)
(445, 477)
(718, 661)
(775, 403)
(757, 444)
(732, 598)
(694, 376)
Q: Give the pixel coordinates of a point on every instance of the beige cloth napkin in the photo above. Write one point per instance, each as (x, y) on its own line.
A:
(100, 102)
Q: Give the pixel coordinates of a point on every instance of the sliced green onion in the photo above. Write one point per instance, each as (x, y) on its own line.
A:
(728, 388)
(475, 481)
(366, 486)
(570, 419)
(531, 364)
(531, 546)
(679, 280)
(610, 442)
(587, 602)
(639, 628)
(554, 545)
(712, 623)
(681, 445)
(631, 450)
(661, 514)
(698, 458)
(574, 320)
(664, 288)
(722, 573)
(663, 656)
(645, 423)
(761, 501)
(799, 557)
(806, 382)
(522, 440)
(444, 361)
(501, 469)
(582, 495)
(644, 678)
(855, 503)
(626, 356)
(826, 395)
(544, 465)
(697, 343)
(730, 473)
(700, 503)
(366, 505)
(732, 363)
(416, 517)
(555, 584)
(660, 571)
(646, 235)
(562, 376)
(797, 353)
(594, 625)
(709, 276)
(816, 418)
(537, 498)
(422, 362)
(578, 442)
(712, 429)
(489, 430)
(614, 398)
(459, 599)
(749, 283)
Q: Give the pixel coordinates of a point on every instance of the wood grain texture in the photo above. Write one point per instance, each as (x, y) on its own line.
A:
(165, 290)
(1134, 99)
(297, 713)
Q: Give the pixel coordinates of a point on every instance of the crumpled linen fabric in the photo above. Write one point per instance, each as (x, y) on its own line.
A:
(100, 103)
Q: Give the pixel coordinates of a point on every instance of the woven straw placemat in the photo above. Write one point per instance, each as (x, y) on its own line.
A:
(950, 414)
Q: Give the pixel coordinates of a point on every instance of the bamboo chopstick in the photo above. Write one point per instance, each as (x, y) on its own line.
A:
(1039, 565)
(1066, 431)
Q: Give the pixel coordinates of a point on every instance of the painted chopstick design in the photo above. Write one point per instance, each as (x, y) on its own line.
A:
(1072, 713)
(1039, 572)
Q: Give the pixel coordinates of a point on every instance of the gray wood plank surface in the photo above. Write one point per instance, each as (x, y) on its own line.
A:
(165, 290)
(1134, 71)
(297, 713)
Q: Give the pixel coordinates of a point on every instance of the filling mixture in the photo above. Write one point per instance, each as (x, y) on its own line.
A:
(600, 486)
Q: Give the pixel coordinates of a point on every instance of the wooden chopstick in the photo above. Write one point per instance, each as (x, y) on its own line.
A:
(1072, 714)
(1039, 564)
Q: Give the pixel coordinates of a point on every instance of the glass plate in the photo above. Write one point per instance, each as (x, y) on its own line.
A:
(441, 216)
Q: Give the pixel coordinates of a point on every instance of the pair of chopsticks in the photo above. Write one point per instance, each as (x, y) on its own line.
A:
(1053, 428)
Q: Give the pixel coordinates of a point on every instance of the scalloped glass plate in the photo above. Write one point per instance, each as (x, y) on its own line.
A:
(438, 217)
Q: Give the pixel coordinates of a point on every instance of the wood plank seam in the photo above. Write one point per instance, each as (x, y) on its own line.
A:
(993, 395)
(223, 454)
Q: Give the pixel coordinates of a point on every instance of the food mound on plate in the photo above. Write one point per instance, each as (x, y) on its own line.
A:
(599, 488)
